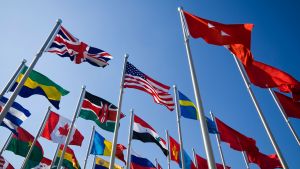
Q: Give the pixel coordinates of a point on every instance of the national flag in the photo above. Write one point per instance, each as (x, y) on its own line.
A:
(69, 160)
(189, 110)
(102, 112)
(101, 146)
(290, 107)
(21, 144)
(264, 161)
(44, 164)
(202, 163)
(39, 84)
(136, 79)
(15, 115)
(57, 128)
(144, 132)
(5, 164)
(158, 166)
(236, 140)
(66, 45)
(103, 164)
(138, 162)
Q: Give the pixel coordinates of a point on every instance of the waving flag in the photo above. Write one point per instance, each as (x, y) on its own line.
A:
(15, 116)
(202, 163)
(103, 164)
(102, 112)
(144, 132)
(136, 79)
(291, 108)
(138, 162)
(5, 164)
(264, 161)
(69, 159)
(44, 164)
(66, 45)
(57, 129)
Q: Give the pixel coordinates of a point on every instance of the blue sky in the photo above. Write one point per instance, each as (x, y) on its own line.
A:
(150, 32)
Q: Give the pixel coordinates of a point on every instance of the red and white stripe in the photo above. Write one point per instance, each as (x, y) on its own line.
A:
(4, 164)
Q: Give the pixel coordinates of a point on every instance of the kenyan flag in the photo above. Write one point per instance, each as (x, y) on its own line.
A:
(102, 112)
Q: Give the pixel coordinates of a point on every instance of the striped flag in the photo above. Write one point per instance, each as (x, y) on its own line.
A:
(4, 164)
(15, 116)
(136, 79)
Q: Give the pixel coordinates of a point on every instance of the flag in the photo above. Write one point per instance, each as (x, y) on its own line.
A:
(39, 84)
(144, 132)
(202, 163)
(103, 164)
(57, 128)
(138, 162)
(5, 164)
(44, 164)
(69, 160)
(136, 79)
(66, 45)
(291, 108)
(158, 166)
(21, 144)
(102, 112)
(264, 161)
(101, 146)
(15, 115)
(189, 110)
(236, 140)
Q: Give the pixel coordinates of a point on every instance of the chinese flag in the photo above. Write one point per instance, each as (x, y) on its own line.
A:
(291, 108)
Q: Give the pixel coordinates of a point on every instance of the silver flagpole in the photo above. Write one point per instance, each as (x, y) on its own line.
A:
(26, 74)
(218, 141)
(94, 163)
(36, 138)
(202, 120)
(129, 139)
(179, 126)
(90, 146)
(156, 163)
(195, 158)
(12, 79)
(115, 139)
(260, 113)
(54, 158)
(246, 160)
(284, 116)
(79, 105)
(6, 143)
(169, 156)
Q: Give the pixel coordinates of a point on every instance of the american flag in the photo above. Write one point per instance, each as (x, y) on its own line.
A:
(66, 45)
(4, 164)
(136, 79)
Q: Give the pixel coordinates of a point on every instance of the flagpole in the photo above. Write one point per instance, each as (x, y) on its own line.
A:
(218, 141)
(168, 157)
(260, 113)
(89, 149)
(55, 156)
(26, 74)
(156, 163)
(179, 126)
(6, 143)
(79, 105)
(12, 79)
(202, 120)
(94, 163)
(284, 116)
(115, 139)
(36, 138)
(195, 158)
(129, 139)
(246, 159)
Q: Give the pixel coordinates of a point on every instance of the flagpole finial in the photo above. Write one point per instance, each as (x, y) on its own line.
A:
(126, 55)
(59, 20)
(49, 108)
(180, 8)
(174, 86)
(24, 61)
(83, 87)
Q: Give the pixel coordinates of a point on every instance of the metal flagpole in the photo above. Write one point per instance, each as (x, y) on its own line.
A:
(26, 74)
(129, 139)
(54, 158)
(90, 146)
(156, 163)
(285, 116)
(195, 158)
(218, 141)
(246, 160)
(94, 163)
(260, 113)
(12, 79)
(169, 152)
(36, 138)
(79, 105)
(115, 139)
(6, 143)
(179, 126)
(202, 120)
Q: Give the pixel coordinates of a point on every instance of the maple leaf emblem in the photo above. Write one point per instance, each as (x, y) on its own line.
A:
(64, 130)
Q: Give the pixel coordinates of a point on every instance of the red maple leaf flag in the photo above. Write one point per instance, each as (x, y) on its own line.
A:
(57, 128)
(291, 108)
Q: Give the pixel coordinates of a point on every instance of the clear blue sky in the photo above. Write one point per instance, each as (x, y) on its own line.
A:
(150, 32)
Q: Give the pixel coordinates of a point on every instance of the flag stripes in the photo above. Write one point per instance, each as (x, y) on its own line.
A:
(4, 164)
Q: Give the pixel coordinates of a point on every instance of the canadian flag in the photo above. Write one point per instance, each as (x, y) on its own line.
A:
(57, 128)
(44, 164)
(4, 164)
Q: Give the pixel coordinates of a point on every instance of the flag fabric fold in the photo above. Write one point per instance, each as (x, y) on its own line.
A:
(102, 112)
(69, 160)
(136, 79)
(138, 162)
(103, 164)
(291, 108)
(44, 164)
(264, 161)
(5, 164)
(202, 163)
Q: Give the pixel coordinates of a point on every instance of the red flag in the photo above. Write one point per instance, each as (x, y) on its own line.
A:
(174, 150)
(241, 52)
(5, 164)
(291, 108)
(202, 163)
(264, 161)
(236, 140)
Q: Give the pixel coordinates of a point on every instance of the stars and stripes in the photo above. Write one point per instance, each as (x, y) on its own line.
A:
(136, 79)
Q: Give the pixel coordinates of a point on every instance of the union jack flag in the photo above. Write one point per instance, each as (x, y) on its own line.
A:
(66, 45)
(136, 79)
